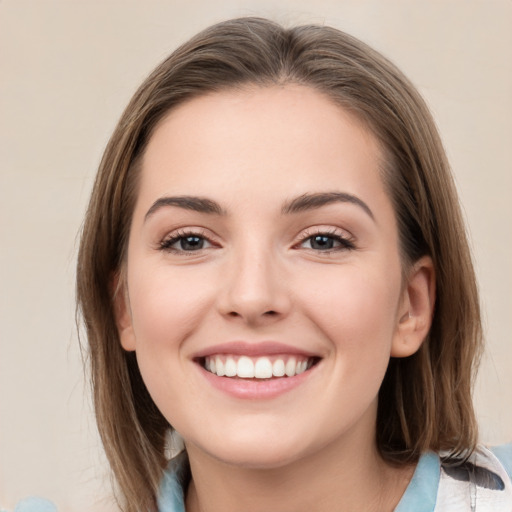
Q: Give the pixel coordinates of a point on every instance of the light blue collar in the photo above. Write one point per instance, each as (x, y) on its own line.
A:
(171, 498)
(420, 495)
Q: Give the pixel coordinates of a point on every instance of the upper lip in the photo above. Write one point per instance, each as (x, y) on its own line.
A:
(244, 348)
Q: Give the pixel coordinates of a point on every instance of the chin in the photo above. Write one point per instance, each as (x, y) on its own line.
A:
(256, 457)
(250, 449)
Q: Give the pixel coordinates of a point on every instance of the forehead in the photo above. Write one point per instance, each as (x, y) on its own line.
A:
(273, 141)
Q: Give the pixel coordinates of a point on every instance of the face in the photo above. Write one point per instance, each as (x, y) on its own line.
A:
(263, 289)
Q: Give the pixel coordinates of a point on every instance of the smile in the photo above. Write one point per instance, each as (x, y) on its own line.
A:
(256, 371)
(263, 367)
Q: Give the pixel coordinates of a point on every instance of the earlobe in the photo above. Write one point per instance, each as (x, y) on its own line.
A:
(416, 309)
(122, 311)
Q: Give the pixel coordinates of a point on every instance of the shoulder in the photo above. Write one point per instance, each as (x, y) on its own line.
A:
(34, 504)
(504, 455)
(480, 481)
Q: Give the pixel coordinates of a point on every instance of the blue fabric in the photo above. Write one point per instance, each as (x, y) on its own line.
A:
(504, 455)
(421, 493)
(35, 505)
(171, 497)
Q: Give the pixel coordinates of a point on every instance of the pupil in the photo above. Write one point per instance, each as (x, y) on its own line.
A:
(322, 242)
(191, 243)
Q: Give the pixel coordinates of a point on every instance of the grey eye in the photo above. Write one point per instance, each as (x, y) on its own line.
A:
(191, 243)
(322, 242)
(183, 243)
(326, 242)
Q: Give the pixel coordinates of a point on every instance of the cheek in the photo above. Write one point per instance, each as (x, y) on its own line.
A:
(167, 304)
(167, 307)
(356, 309)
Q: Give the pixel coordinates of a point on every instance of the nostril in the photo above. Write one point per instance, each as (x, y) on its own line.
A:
(270, 313)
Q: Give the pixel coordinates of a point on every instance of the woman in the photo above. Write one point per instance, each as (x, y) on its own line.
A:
(274, 265)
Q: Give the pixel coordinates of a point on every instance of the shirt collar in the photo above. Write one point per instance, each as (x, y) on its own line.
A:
(420, 495)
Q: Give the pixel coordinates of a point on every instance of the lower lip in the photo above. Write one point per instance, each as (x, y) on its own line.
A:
(256, 389)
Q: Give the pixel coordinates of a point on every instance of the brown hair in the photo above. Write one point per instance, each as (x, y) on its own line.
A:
(425, 400)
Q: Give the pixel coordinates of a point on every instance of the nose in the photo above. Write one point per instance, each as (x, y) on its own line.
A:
(254, 288)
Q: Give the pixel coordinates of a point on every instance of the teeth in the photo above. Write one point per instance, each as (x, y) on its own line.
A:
(301, 367)
(220, 367)
(291, 367)
(245, 368)
(278, 368)
(260, 368)
(230, 368)
(263, 368)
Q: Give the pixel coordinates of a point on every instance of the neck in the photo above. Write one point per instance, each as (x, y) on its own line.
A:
(344, 477)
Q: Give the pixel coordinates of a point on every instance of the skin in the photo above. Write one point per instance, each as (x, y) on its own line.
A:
(259, 277)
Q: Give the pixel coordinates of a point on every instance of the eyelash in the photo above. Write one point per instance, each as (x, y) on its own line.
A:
(345, 243)
(167, 243)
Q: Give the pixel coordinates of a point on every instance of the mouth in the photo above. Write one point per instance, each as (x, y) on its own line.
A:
(271, 367)
(256, 371)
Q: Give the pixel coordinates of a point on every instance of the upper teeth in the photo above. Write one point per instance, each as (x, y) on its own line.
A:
(258, 367)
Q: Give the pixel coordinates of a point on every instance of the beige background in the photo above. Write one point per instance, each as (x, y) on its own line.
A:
(67, 68)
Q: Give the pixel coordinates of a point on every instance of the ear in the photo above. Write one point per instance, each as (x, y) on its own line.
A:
(416, 309)
(122, 311)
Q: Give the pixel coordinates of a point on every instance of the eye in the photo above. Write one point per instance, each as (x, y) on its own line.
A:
(185, 242)
(326, 242)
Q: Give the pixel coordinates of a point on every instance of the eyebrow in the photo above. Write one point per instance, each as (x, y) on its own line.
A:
(299, 204)
(196, 204)
(313, 201)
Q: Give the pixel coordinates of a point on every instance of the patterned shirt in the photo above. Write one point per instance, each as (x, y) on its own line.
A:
(483, 483)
